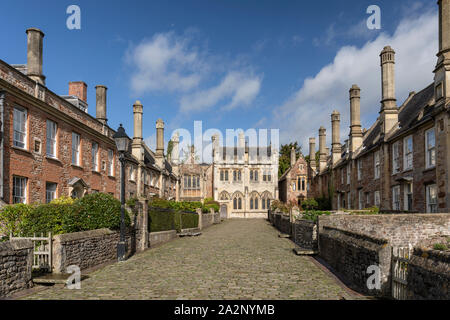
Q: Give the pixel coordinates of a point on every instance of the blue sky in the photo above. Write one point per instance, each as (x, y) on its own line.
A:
(232, 64)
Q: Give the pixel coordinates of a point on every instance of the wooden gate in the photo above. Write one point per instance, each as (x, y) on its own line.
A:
(400, 263)
(223, 211)
(42, 250)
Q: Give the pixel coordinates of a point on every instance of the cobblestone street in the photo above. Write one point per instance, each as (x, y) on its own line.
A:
(238, 259)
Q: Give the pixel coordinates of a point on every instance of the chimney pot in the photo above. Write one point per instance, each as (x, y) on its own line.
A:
(101, 103)
(35, 39)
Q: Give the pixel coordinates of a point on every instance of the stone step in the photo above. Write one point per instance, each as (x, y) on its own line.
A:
(190, 234)
(305, 252)
(284, 236)
(54, 278)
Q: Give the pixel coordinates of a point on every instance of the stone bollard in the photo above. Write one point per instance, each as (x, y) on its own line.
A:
(200, 218)
(143, 215)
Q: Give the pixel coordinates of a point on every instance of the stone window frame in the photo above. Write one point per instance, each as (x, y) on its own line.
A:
(359, 165)
(94, 156)
(396, 202)
(20, 135)
(51, 139)
(111, 162)
(376, 165)
(430, 152)
(349, 170)
(267, 175)
(360, 199)
(254, 176)
(408, 154)
(50, 195)
(376, 198)
(431, 206)
(20, 189)
(191, 182)
(349, 201)
(396, 157)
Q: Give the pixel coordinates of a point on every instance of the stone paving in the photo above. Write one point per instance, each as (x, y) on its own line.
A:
(238, 259)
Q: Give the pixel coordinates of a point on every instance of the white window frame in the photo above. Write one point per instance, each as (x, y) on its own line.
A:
(430, 152)
(396, 158)
(376, 159)
(396, 202)
(408, 154)
(76, 142)
(110, 162)
(359, 164)
(20, 188)
(50, 195)
(52, 135)
(94, 156)
(432, 206)
(20, 127)
(377, 199)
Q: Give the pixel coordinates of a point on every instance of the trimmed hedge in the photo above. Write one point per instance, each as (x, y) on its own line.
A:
(161, 219)
(94, 211)
(189, 220)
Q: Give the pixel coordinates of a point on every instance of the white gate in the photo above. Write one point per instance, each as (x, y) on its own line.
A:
(400, 263)
(42, 250)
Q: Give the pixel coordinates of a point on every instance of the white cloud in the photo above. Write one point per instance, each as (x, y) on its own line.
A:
(238, 89)
(416, 44)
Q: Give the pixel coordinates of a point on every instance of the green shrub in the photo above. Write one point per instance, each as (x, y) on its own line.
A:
(323, 204)
(189, 221)
(161, 219)
(440, 247)
(310, 204)
(54, 218)
(209, 204)
(12, 218)
(314, 215)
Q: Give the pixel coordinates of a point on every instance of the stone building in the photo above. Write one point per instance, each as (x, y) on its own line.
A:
(50, 146)
(147, 173)
(402, 163)
(245, 179)
(294, 183)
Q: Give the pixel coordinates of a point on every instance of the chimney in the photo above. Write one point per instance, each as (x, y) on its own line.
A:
(176, 148)
(101, 103)
(293, 157)
(241, 140)
(442, 71)
(78, 89)
(389, 110)
(322, 149)
(136, 146)
(34, 55)
(336, 148)
(355, 119)
(312, 153)
(160, 138)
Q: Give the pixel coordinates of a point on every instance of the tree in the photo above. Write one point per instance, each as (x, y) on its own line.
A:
(285, 157)
(169, 150)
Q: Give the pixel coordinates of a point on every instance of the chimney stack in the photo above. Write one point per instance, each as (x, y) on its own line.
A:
(160, 138)
(101, 103)
(355, 119)
(293, 157)
(241, 140)
(442, 71)
(322, 149)
(336, 149)
(136, 146)
(176, 148)
(312, 154)
(389, 110)
(34, 55)
(78, 89)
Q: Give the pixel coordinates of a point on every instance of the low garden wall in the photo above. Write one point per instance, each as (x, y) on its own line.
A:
(207, 220)
(16, 261)
(351, 254)
(156, 238)
(399, 229)
(429, 275)
(87, 249)
(217, 218)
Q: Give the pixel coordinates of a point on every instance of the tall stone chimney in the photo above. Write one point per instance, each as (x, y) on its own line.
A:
(160, 138)
(293, 157)
(137, 137)
(336, 149)
(322, 149)
(78, 89)
(176, 148)
(100, 95)
(312, 154)
(356, 135)
(389, 110)
(35, 39)
(442, 71)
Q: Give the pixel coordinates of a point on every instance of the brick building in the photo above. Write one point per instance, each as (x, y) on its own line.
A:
(402, 163)
(293, 184)
(50, 145)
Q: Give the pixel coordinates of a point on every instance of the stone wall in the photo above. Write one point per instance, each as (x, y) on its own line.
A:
(399, 229)
(207, 220)
(305, 234)
(87, 249)
(217, 218)
(351, 254)
(157, 238)
(281, 222)
(16, 261)
(429, 275)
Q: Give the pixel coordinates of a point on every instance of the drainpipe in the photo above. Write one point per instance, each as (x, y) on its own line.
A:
(2, 108)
